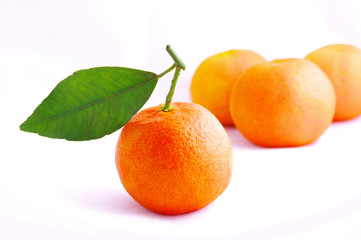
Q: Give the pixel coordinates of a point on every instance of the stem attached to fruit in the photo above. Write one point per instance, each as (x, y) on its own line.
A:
(179, 65)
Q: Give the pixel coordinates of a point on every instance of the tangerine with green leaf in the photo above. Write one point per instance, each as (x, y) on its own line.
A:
(172, 159)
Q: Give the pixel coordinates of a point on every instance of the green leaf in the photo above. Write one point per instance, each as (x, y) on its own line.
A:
(91, 103)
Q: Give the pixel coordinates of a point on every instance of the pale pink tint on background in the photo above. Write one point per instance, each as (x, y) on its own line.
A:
(53, 189)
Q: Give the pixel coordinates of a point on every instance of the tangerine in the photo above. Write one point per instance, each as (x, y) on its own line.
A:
(283, 103)
(213, 80)
(174, 162)
(342, 64)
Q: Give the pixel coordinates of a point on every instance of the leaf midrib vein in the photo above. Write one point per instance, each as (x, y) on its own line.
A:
(91, 104)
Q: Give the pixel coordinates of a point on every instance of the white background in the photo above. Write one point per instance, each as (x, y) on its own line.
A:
(54, 189)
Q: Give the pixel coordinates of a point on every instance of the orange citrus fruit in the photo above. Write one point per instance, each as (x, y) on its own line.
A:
(283, 103)
(174, 162)
(342, 64)
(213, 80)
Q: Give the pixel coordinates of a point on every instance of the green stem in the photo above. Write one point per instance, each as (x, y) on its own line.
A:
(167, 107)
(178, 65)
(167, 71)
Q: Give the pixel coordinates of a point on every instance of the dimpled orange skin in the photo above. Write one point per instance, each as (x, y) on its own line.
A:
(342, 64)
(283, 103)
(174, 162)
(213, 80)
